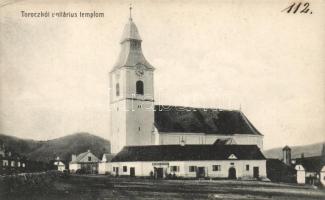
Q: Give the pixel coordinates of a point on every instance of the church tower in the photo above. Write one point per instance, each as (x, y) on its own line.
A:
(131, 94)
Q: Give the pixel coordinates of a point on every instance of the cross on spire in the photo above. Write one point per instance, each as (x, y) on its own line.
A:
(130, 12)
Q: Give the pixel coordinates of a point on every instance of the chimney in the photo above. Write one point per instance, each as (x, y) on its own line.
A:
(57, 158)
(286, 152)
(302, 155)
(74, 157)
(88, 150)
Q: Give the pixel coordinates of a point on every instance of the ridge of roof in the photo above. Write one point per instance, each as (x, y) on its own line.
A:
(185, 119)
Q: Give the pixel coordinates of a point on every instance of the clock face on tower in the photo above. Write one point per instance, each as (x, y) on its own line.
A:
(139, 70)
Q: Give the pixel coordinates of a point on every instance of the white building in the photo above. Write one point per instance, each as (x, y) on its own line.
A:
(322, 176)
(135, 120)
(60, 165)
(301, 174)
(105, 166)
(214, 161)
(87, 162)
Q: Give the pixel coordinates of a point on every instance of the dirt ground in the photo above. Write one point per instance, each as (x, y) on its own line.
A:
(103, 187)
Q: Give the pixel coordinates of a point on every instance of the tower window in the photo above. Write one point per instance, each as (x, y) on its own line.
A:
(117, 89)
(139, 86)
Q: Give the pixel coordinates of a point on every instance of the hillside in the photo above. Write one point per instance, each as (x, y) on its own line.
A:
(62, 147)
(296, 151)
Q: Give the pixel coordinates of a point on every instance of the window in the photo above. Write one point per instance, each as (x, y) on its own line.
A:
(139, 87)
(216, 167)
(192, 169)
(113, 169)
(174, 168)
(117, 89)
(247, 167)
(232, 163)
(139, 106)
(89, 158)
(139, 128)
(12, 163)
(125, 168)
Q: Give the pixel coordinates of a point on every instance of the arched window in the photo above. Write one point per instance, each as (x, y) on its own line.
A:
(139, 86)
(117, 89)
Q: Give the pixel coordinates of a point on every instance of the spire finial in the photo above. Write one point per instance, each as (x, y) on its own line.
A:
(130, 11)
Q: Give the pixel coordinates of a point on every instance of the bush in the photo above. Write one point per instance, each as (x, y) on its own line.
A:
(41, 182)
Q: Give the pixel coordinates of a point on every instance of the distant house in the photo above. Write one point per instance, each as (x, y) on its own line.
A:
(85, 162)
(59, 164)
(309, 170)
(11, 162)
(311, 167)
(213, 161)
(104, 166)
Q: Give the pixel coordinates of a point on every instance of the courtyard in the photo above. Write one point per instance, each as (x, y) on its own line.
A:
(86, 187)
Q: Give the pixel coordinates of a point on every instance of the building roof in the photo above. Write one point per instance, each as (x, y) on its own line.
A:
(188, 152)
(79, 158)
(286, 148)
(311, 164)
(225, 141)
(202, 120)
(108, 156)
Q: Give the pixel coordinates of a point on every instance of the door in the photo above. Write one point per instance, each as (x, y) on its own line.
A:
(200, 172)
(256, 172)
(232, 173)
(160, 172)
(116, 171)
(132, 171)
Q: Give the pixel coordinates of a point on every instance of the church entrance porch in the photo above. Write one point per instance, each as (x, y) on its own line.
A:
(232, 173)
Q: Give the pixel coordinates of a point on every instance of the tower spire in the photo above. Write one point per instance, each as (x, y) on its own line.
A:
(130, 18)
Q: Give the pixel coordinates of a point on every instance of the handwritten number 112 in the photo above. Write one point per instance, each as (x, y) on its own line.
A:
(298, 7)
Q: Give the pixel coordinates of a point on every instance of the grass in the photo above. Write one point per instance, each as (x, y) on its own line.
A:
(104, 187)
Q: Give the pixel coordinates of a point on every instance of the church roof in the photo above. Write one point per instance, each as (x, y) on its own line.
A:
(130, 32)
(200, 120)
(188, 152)
(131, 53)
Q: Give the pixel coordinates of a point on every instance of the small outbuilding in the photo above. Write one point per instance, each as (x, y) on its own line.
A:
(105, 166)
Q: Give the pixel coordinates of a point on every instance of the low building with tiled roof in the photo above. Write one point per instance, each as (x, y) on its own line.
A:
(215, 161)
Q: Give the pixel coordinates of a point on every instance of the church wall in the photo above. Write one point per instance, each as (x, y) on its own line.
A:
(118, 126)
(201, 138)
(139, 122)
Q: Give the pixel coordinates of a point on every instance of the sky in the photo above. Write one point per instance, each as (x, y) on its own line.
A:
(218, 54)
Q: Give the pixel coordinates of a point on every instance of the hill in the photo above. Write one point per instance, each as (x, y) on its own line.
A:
(62, 147)
(296, 151)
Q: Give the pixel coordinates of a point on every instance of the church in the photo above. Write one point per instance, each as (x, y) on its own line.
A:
(150, 139)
